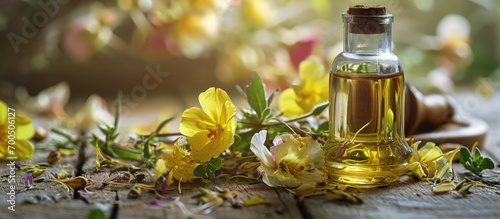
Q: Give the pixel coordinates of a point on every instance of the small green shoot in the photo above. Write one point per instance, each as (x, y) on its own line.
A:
(475, 162)
(208, 170)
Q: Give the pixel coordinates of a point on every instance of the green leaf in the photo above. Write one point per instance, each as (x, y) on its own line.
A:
(67, 136)
(487, 163)
(464, 155)
(162, 124)
(97, 212)
(475, 162)
(245, 140)
(323, 127)
(126, 153)
(118, 110)
(266, 113)
(199, 171)
(210, 171)
(271, 97)
(104, 128)
(319, 108)
(477, 154)
(237, 139)
(256, 96)
(216, 163)
(95, 141)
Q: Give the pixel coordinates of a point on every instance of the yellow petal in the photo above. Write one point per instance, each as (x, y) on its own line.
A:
(282, 178)
(451, 154)
(194, 120)
(310, 72)
(433, 168)
(255, 200)
(228, 118)
(211, 101)
(24, 127)
(444, 186)
(184, 171)
(416, 168)
(442, 171)
(3, 113)
(288, 104)
(160, 168)
(199, 149)
(414, 152)
(24, 149)
(62, 174)
(203, 148)
(280, 151)
(66, 152)
(429, 152)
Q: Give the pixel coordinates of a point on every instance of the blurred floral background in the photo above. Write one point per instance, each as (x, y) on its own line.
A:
(104, 46)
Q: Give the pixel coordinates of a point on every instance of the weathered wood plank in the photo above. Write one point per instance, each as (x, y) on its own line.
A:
(283, 204)
(409, 198)
(68, 209)
(44, 199)
(405, 199)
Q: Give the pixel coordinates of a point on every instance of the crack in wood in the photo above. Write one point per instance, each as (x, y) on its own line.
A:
(82, 147)
(283, 204)
(116, 207)
(304, 210)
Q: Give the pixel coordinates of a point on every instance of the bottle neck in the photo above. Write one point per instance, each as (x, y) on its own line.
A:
(367, 36)
(367, 44)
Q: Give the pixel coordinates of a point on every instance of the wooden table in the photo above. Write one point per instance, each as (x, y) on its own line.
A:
(407, 198)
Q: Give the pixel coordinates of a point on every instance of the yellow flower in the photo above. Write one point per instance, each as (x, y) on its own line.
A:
(177, 162)
(291, 162)
(196, 31)
(14, 124)
(308, 92)
(259, 12)
(429, 162)
(210, 129)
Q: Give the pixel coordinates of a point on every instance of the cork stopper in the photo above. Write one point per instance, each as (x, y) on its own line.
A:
(367, 19)
(366, 10)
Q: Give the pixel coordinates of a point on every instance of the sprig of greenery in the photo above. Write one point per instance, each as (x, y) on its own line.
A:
(68, 142)
(208, 170)
(142, 147)
(475, 162)
(260, 116)
(108, 145)
(146, 143)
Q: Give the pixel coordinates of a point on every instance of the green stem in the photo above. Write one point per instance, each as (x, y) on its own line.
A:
(61, 133)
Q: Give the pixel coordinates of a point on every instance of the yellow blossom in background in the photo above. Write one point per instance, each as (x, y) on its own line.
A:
(177, 162)
(23, 148)
(196, 31)
(259, 12)
(429, 162)
(210, 129)
(311, 89)
(292, 161)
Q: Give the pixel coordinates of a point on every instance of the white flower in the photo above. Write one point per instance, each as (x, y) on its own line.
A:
(292, 161)
(93, 112)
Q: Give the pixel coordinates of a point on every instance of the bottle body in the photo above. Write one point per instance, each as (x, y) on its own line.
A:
(366, 146)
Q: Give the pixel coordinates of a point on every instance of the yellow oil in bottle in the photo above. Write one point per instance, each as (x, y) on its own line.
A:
(366, 147)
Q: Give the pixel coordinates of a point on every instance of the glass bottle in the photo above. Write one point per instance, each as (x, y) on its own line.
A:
(366, 145)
